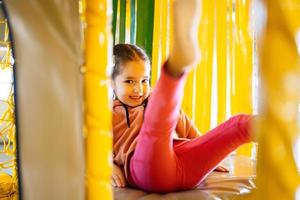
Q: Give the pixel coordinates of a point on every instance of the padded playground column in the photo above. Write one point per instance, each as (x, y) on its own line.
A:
(161, 41)
(278, 177)
(97, 108)
(204, 69)
(46, 40)
(242, 65)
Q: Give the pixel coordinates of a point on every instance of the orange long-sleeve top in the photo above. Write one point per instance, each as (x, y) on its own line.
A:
(126, 128)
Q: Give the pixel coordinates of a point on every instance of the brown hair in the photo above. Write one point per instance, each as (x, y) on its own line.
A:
(124, 53)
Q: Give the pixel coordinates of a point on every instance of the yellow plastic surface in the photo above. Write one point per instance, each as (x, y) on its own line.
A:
(241, 68)
(278, 126)
(221, 50)
(98, 115)
(161, 37)
(203, 80)
(156, 59)
(128, 22)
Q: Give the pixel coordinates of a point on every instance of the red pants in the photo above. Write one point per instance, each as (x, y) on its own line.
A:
(161, 165)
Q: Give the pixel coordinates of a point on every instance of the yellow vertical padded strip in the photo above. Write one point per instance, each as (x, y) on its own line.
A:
(204, 70)
(187, 103)
(246, 70)
(156, 45)
(117, 34)
(170, 31)
(189, 94)
(128, 22)
(234, 65)
(98, 114)
(233, 58)
(229, 55)
(242, 77)
(244, 57)
(161, 42)
(221, 40)
(278, 126)
(164, 28)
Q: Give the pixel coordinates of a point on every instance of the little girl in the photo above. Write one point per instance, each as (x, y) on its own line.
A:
(146, 153)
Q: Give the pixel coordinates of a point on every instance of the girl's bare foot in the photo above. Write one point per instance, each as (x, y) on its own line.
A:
(185, 51)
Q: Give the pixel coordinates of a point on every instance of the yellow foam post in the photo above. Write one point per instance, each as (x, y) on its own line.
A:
(161, 39)
(98, 115)
(221, 45)
(128, 22)
(203, 79)
(188, 103)
(278, 126)
(165, 28)
(170, 36)
(156, 44)
(241, 74)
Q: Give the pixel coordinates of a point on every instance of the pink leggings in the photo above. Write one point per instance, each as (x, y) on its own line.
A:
(161, 165)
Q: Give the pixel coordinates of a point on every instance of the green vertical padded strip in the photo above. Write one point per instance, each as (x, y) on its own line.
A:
(145, 18)
(122, 21)
(114, 19)
(132, 21)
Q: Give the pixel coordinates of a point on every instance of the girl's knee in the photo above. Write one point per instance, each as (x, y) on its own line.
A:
(242, 118)
(243, 123)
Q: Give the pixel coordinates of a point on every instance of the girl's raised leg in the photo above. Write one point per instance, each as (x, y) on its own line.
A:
(201, 155)
(154, 165)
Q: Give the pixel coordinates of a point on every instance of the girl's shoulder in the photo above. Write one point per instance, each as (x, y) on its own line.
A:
(116, 103)
(118, 108)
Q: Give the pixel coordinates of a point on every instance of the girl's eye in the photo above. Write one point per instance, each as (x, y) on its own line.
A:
(129, 81)
(145, 81)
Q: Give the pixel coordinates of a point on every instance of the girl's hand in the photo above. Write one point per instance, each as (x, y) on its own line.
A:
(118, 178)
(222, 168)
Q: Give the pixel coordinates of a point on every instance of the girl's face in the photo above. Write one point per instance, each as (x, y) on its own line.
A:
(131, 86)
